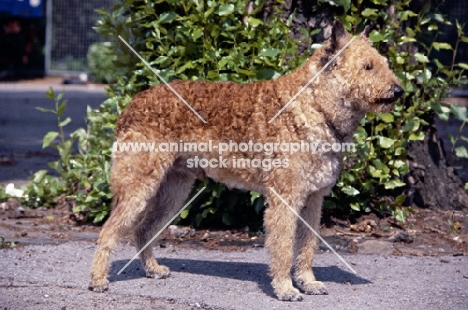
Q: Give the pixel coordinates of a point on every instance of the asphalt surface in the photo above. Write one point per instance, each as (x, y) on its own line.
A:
(22, 126)
(56, 277)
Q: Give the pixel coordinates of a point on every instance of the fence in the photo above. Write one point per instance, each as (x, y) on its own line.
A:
(70, 33)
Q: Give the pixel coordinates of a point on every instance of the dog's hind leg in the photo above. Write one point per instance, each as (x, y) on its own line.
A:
(306, 244)
(161, 208)
(135, 177)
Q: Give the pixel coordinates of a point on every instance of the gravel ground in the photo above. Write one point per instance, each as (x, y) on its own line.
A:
(56, 277)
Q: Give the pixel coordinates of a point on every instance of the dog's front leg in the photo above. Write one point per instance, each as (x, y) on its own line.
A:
(306, 244)
(280, 224)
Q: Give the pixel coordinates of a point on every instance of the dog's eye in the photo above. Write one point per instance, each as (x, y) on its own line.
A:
(368, 67)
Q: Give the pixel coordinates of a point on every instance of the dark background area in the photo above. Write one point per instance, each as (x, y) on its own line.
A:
(22, 38)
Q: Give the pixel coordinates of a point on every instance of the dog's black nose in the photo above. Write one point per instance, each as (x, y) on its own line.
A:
(397, 91)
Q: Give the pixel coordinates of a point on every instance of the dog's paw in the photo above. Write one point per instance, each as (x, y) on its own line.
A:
(312, 288)
(288, 294)
(99, 285)
(158, 272)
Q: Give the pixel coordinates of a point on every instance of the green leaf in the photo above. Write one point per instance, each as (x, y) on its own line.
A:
(45, 110)
(270, 52)
(50, 93)
(416, 136)
(39, 175)
(405, 14)
(406, 39)
(376, 36)
(369, 13)
(461, 152)
(349, 190)
(355, 206)
(100, 217)
(225, 9)
(399, 163)
(377, 173)
(346, 4)
(167, 17)
(254, 22)
(246, 72)
(394, 184)
(48, 138)
(463, 65)
(399, 200)
(460, 112)
(400, 215)
(386, 142)
(441, 46)
(421, 58)
(62, 107)
(197, 33)
(65, 122)
(387, 117)
(466, 186)
(184, 214)
(399, 151)
(380, 127)
(253, 196)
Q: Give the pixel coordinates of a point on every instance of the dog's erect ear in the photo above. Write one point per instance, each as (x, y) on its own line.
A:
(365, 32)
(338, 39)
(339, 36)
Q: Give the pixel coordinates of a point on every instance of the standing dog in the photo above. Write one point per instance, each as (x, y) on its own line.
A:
(150, 187)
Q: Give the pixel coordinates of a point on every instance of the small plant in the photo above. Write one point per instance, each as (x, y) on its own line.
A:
(455, 226)
(83, 171)
(6, 244)
(64, 146)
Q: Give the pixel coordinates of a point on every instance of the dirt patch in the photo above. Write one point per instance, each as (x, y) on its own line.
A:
(425, 233)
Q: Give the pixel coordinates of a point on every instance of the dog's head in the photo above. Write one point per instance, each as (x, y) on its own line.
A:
(360, 75)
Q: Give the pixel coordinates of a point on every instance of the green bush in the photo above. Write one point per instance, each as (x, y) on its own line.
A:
(100, 60)
(220, 41)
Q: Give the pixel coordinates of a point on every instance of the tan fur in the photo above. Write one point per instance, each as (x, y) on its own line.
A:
(150, 187)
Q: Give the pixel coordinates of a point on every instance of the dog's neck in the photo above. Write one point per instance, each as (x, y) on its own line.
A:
(340, 136)
(341, 115)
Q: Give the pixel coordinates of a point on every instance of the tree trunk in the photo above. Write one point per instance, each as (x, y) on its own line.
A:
(431, 181)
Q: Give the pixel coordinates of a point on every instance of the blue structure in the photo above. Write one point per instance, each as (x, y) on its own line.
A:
(22, 8)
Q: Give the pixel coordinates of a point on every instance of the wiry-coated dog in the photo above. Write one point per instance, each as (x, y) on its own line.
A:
(150, 187)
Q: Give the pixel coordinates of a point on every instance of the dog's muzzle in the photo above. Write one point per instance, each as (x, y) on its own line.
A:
(397, 93)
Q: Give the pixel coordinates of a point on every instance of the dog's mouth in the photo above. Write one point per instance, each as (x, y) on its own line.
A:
(387, 101)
